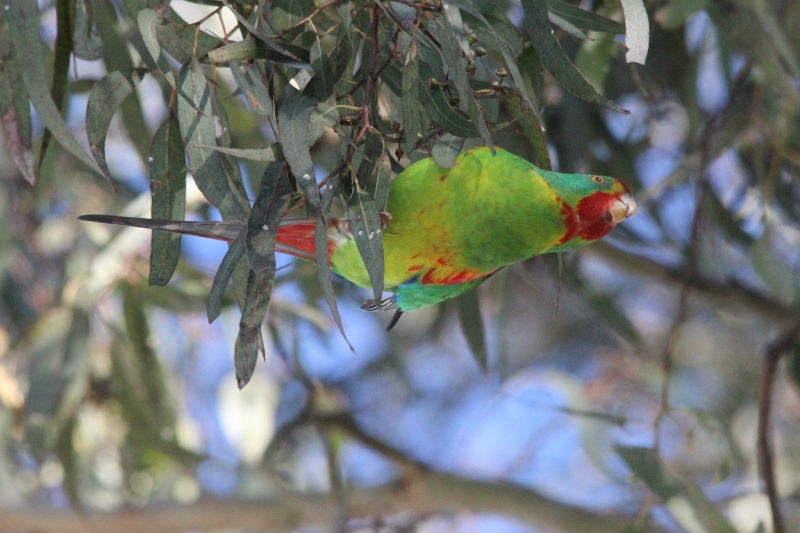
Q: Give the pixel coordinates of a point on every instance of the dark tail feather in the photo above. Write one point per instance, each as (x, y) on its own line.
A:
(295, 235)
(395, 317)
(224, 231)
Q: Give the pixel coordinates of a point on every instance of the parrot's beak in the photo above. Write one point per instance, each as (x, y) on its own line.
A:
(624, 207)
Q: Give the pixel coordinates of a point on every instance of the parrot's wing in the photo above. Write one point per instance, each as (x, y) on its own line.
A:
(415, 294)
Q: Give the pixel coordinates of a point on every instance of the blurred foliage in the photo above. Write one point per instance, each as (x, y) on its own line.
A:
(631, 405)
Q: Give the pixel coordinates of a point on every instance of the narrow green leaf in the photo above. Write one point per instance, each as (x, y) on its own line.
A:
(452, 14)
(264, 155)
(469, 312)
(586, 20)
(114, 42)
(15, 110)
(322, 84)
(373, 174)
(365, 225)
(106, 97)
(505, 42)
(341, 55)
(181, 40)
(210, 170)
(321, 249)
(372, 151)
(253, 88)
(345, 12)
(529, 122)
(248, 343)
(554, 58)
(23, 27)
(232, 257)
(287, 13)
(412, 126)
(86, 41)
(637, 31)
(149, 20)
(294, 114)
(446, 150)
(439, 108)
(456, 69)
(568, 27)
(534, 74)
(261, 49)
(61, 55)
(683, 499)
(167, 164)
(378, 186)
(451, 53)
(265, 217)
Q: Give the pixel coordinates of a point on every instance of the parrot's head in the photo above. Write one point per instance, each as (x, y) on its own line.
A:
(607, 203)
(593, 204)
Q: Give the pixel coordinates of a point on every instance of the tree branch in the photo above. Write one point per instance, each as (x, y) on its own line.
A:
(765, 453)
(732, 296)
(428, 492)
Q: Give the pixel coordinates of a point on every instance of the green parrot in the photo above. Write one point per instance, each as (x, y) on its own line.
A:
(448, 229)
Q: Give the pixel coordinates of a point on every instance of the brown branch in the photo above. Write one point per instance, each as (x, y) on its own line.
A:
(429, 494)
(766, 459)
(421, 492)
(732, 295)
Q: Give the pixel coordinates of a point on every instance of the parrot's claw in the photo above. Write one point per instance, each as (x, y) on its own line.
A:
(386, 304)
(386, 219)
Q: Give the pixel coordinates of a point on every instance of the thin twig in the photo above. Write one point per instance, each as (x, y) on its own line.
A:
(309, 18)
(766, 456)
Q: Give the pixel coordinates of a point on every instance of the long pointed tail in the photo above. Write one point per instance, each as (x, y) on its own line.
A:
(295, 235)
(223, 231)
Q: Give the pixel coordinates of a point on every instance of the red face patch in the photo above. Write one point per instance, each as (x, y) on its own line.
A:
(595, 216)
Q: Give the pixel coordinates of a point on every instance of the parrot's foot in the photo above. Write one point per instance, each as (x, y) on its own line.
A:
(387, 304)
(386, 219)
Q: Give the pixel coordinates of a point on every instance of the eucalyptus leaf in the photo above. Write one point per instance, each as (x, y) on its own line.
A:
(167, 164)
(529, 122)
(365, 226)
(232, 258)
(105, 99)
(249, 342)
(469, 313)
(261, 49)
(23, 26)
(294, 114)
(586, 20)
(265, 217)
(554, 58)
(446, 150)
(439, 108)
(412, 127)
(322, 84)
(210, 170)
(15, 110)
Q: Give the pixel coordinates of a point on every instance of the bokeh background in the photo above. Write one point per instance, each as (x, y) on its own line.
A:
(624, 387)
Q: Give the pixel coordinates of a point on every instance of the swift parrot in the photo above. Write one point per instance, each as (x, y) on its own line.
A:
(449, 229)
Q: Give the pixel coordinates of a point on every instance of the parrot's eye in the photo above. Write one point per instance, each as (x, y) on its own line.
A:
(598, 179)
